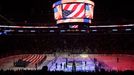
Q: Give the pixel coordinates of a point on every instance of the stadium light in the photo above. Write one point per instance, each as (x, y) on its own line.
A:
(83, 30)
(0, 33)
(114, 29)
(62, 30)
(32, 30)
(94, 30)
(20, 31)
(51, 30)
(128, 29)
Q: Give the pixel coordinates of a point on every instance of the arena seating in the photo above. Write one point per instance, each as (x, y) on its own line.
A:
(44, 72)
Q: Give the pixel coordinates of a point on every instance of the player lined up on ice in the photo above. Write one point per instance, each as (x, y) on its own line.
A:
(117, 59)
(66, 63)
(95, 60)
(74, 66)
(65, 66)
(61, 65)
(85, 63)
(56, 65)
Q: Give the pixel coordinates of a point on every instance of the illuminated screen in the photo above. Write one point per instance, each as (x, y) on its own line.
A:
(75, 10)
(73, 26)
(89, 11)
(69, 1)
(58, 12)
(85, 20)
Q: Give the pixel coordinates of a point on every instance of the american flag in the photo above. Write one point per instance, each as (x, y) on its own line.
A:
(57, 12)
(74, 26)
(73, 10)
(89, 11)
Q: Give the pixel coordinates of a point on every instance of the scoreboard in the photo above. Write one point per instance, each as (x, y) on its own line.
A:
(69, 11)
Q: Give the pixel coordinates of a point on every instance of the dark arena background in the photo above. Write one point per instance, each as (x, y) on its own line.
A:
(66, 37)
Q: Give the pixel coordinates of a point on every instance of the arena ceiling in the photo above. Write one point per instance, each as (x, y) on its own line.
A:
(106, 11)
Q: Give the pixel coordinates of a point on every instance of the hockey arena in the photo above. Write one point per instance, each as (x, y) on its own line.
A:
(66, 37)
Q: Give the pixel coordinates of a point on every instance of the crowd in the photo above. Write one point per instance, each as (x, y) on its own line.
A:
(44, 72)
(91, 43)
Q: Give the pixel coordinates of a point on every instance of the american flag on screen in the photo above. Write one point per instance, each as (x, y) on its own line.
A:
(73, 11)
(57, 12)
(74, 26)
(89, 11)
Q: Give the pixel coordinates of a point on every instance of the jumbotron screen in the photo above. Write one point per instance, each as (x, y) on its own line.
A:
(74, 10)
(67, 12)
